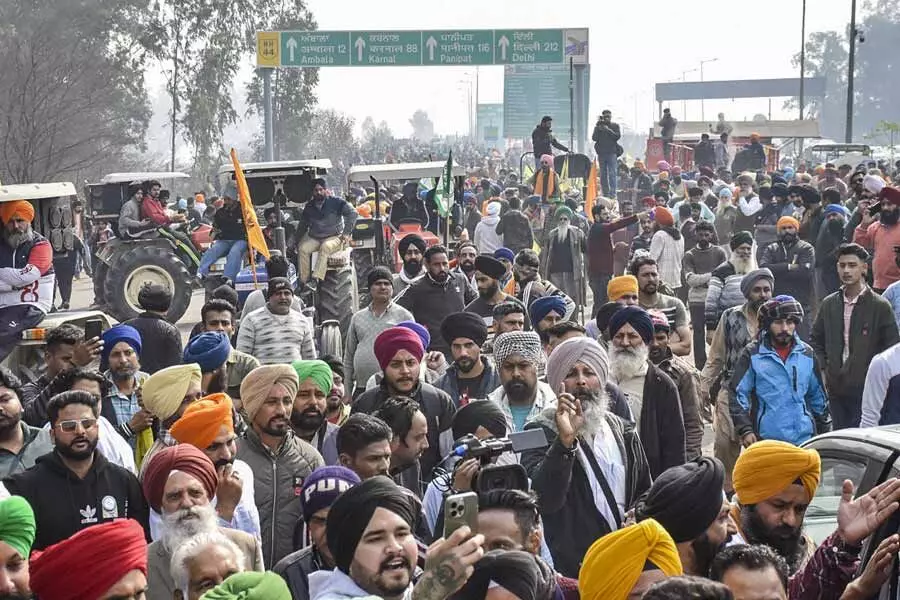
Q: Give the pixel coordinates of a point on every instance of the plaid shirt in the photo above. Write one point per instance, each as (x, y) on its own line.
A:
(125, 406)
(825, 575)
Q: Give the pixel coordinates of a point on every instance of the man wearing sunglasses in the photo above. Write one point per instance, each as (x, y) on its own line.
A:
(75, 487)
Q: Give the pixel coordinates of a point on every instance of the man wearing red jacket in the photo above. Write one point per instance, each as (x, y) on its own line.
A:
(600, 249)
(26, 274)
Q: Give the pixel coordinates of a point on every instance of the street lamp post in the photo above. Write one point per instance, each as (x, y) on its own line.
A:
(702, 102)
(851, 64)
(802, 70)
(684, 102)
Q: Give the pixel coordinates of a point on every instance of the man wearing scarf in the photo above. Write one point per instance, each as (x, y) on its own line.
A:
(522, 396)
(369, 531)
(308, 416)
(792, 262)
(774, 483)
(26, 274)
(562, 260)
(411, 248)
(595, 467)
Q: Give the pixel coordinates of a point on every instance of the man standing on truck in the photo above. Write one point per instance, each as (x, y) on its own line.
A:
(543, 141)
(325, 226)
(606, 142)
(26, 274)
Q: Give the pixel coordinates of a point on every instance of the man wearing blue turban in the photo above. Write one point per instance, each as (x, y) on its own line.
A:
(121, 355)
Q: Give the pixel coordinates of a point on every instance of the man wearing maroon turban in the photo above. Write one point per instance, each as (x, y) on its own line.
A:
(399, 351)
(101, 562)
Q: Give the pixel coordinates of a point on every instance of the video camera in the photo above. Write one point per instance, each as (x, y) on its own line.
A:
(499, 477)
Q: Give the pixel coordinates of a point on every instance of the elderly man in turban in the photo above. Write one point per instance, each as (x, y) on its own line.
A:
(583, 434)
(381, 564)
(180, 483)
(308, 415)
(725, 282)
(210, 350)
(792, 262)
(105, 561)
(562, 261)
(736, 329)
(518, 355)
(166, 394)
(626, 563)
(652, 395)
(881, 237)
(774, 484)
(399, 351)
(121, 356)
(689, 503)
(248, 586)
(411, 249)
(26, 274)
(778, 379)
(17, 529)
(208, 425)
(471, 375)
(279, 459)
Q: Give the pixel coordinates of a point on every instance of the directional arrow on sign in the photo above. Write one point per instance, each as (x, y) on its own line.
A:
(291, 46)
(360, 45)
(504, 44)
(431, 44)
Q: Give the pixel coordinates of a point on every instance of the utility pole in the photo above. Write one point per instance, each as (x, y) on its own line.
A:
(702, 101)
(802, 70)
(848, 131)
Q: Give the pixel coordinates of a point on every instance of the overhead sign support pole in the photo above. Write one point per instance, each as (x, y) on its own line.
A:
(267, 114)
(580, 109)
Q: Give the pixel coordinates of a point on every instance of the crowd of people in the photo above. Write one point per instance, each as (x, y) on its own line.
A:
(242, 464)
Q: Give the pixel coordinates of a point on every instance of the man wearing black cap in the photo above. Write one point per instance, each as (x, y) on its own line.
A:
(471, 375)
(411, 249)
(370, 534)
(688, 501)
(325, 226)
(276, 334)
(488, 273)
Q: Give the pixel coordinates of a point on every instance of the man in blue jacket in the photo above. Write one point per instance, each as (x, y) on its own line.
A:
(776, 391)
(325, 227)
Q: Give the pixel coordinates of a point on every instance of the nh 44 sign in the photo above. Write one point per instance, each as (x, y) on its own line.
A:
(421, 48)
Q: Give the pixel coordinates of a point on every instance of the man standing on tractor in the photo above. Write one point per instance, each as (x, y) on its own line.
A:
(230, 237)
(26, 274)
(325, 226)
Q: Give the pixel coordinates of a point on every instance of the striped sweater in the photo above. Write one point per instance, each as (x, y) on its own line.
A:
(724, 292)
(276, 339)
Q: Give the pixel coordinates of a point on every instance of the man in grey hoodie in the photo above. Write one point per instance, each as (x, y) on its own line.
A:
(369, 531)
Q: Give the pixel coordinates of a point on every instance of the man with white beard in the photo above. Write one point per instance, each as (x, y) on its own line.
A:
(562, 260)
(179, 482)
(594, 469)
(652, 395)
(26, 274)
(724, 289)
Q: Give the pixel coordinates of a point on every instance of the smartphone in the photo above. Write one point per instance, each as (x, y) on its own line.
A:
(93, 328)
(874, 209)
(460, 509)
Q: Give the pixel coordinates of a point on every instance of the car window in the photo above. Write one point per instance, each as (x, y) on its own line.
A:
(834, 471)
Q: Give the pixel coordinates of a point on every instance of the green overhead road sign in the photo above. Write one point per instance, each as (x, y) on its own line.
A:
(421, 48)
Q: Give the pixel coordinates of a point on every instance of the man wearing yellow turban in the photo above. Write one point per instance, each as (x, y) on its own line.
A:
(625, 563)
(308, 417)
(166, 394)
(774, 483)
(208, 424)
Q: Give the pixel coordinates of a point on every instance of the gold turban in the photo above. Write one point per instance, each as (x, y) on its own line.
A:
(766, 468)
(256, 385)
(164, 391)
(614, 563)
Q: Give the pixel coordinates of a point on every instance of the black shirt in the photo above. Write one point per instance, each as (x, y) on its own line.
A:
(561, 260)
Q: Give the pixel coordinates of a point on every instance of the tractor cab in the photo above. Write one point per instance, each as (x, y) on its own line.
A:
(106, 197)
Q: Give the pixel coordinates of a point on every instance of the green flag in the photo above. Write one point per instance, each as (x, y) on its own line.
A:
(444, 193)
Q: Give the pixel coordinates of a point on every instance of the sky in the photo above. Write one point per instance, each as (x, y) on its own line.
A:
(633, 45)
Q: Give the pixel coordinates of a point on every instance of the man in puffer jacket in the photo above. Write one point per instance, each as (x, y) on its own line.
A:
(776, 391)
(725, 284)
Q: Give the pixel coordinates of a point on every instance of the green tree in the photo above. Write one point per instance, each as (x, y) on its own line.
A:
(826, 56)
(377, 141)
(72, 94)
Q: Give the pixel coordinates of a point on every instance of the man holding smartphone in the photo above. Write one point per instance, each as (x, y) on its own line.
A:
(606, 143)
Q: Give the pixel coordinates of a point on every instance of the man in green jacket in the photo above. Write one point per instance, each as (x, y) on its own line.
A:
(853, 325)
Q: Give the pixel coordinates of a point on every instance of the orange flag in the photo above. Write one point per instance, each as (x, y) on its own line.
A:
(590, 195)
(255, 239)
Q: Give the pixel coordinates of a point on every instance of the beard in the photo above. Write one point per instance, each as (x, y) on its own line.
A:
(518, 390)
(562, 233)
(16, 239)
(594, 405)
(276, 427)
(782, 340)
(787, 238)
(627, 363)
(703, 244)
(185, 523)
(704, 553)
(333, 402)
(412, 267)
(219, 383)
(657, 354)
(742, 266)
(67, 451)
(465, 364)
(890, 217)
(389, 581)
(123, 372)
(467, 267)
(308, 420)
(783, 539)
(8, 425)
(490, 292)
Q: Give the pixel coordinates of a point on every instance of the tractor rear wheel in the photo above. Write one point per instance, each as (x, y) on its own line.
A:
(140, 264)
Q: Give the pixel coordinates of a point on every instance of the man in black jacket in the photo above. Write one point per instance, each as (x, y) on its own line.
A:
(704, 153)
(230, 237)
(515, 228)
(606, 142)
(93, 489)
(792, 261)
(543, 141)
(161, 339)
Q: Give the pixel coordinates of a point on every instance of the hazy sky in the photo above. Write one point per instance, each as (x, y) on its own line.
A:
(633, 45)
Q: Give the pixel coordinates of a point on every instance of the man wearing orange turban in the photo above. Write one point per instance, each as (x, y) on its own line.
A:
(104, 561)
(774, 483)
(628, 562)
(792, 261)
(26, 274)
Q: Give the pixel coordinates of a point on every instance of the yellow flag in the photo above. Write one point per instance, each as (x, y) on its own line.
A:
(255, 239)
(590, 195)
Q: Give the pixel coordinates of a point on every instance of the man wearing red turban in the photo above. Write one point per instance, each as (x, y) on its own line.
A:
(104, 561)
(399, 351)
(26, 274)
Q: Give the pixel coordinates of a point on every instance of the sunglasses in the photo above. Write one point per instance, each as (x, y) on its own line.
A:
(71, 425)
